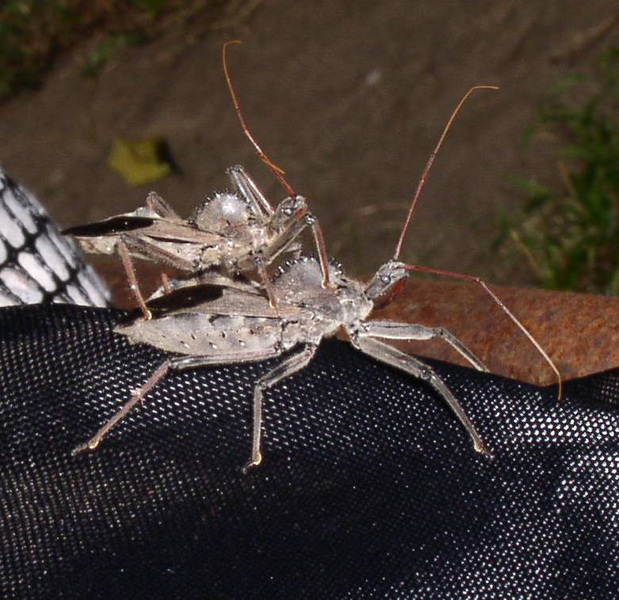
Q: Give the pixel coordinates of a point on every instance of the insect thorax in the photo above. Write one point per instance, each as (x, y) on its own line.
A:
(299, 282)
(222, 212)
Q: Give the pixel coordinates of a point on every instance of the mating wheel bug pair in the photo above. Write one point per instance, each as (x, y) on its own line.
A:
(221, 322)
(237, 231)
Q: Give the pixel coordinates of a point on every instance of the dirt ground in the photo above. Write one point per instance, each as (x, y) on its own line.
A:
(349, 97)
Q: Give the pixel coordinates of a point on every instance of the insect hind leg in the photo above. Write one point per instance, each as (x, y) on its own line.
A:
(173, 364)
(136, 397)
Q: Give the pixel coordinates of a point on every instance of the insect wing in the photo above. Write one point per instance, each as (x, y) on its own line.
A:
(179, 232)
(184, 298)
(231, 301)
(234, 323)
(101, 237)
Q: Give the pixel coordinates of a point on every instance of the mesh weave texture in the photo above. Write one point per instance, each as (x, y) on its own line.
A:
(38, 264)
(369, 487)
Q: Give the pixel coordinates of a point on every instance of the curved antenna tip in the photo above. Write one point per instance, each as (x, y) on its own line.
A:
(277, 171)
(426, 171)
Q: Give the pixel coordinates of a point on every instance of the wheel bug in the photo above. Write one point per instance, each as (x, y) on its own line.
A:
(238, 231)
(218, 324)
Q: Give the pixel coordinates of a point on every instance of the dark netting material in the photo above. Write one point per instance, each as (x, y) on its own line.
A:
(369, 487)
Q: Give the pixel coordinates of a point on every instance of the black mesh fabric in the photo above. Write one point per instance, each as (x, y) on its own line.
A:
(369, 487)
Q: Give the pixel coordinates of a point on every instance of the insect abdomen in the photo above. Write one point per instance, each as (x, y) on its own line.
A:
(206, 335)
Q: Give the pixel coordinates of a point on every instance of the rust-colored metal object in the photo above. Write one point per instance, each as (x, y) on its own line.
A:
(580, 332)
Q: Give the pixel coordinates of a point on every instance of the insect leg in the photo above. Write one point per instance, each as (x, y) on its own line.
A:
(173, 364)
(136, 396)
(290, 365)
(287, 236)
(150, 251)
(502, 306)
(408, 331)
(266, 280)
(280, 244)
(394, 357)
(165, 282)
(159, 206)
(250, 191)
(133, 280)
(284, 239)
(321, 249)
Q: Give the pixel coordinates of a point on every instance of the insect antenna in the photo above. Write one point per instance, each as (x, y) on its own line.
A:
(503, 307)
(276, 170)
(426, 171)
(484, 285)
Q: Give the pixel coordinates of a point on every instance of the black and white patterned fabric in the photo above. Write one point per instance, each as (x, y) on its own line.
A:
(369, 486)
(38, 264)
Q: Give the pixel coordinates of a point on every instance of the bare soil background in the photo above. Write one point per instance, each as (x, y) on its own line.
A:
(349, 97)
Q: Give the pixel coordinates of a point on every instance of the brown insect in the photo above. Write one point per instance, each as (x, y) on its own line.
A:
(222, 323)
(237, 231)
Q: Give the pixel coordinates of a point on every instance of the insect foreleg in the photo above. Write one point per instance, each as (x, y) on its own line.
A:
(394, 357)
(281, 244)
(266, 280)
(287, 236)
(321, 248)
(290, 365)
(250, 191)
(160, 207)
(283, 240)
(408, 331)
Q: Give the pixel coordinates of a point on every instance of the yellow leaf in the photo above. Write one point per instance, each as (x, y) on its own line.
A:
(138, 162)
